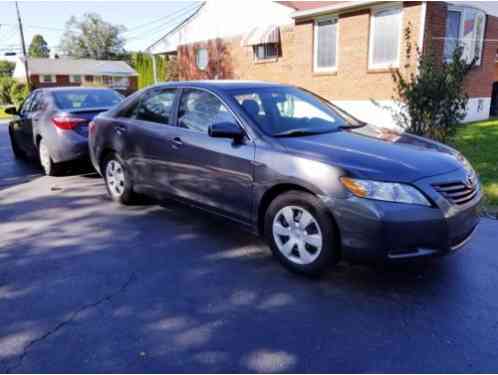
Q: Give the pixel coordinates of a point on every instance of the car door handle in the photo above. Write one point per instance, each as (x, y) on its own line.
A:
(177, 142)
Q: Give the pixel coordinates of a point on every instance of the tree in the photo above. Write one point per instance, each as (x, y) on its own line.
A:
(434, 99)
(38, 47)
(6, 68)
(92, 37)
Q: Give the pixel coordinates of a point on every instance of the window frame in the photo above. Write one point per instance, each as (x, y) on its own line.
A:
(371, 40)
(134, 106)
(197, 58)
(53, 79)
(316, 68)
(461, 9)
(266, 58)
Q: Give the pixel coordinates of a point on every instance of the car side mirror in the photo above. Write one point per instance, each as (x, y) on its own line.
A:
(11, 110)
(226, 130)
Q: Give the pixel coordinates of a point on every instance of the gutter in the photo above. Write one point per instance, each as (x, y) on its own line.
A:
(346, 6)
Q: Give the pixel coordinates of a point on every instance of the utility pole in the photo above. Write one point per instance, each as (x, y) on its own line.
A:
(154, 68)
(23, 45)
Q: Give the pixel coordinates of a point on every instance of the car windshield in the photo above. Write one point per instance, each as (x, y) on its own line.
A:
(82, 99)
(289, 111)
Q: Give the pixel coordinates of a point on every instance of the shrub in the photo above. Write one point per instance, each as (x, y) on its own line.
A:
(6, 84)
(18, 93)
(434, 99)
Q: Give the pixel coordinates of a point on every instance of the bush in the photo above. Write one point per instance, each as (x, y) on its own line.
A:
(6, 84)
(434, 99)
(18, 93)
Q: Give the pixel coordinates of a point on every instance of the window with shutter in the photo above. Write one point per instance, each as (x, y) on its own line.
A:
(325, 46)
(385, 36)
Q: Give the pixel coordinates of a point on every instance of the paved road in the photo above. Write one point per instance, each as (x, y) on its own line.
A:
(86, 286)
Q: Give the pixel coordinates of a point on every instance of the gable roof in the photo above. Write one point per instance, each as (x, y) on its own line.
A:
(69, 66)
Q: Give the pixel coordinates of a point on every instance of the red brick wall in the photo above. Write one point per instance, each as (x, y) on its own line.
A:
(352, 81)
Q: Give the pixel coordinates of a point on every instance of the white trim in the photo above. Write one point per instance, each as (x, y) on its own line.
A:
(331, 69)
(53, 78)
(421, 35)
(331, 8)
(373, 13)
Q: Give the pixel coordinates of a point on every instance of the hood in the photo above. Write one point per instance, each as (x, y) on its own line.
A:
(379, 154)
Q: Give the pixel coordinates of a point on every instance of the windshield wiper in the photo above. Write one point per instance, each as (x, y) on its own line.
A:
(355, 126)
(298, 133)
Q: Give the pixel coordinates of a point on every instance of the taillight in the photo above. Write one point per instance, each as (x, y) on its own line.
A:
(67, 123)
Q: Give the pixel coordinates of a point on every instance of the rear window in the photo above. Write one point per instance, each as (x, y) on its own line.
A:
(81, 99)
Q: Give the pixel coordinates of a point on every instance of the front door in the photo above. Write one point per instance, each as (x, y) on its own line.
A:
(23, 126)
(214, 172)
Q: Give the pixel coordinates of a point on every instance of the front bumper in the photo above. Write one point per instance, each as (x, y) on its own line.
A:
(374, 231)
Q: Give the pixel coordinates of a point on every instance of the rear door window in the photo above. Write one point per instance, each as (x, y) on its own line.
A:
(156, 106)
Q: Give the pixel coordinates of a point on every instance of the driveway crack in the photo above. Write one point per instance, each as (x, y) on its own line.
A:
(68, 321)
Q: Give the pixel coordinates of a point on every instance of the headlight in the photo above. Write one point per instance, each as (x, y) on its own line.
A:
(385, 191)
(466, 165)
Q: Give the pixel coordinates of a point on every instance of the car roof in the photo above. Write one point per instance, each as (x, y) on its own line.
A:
(223, 85)
(71, 88)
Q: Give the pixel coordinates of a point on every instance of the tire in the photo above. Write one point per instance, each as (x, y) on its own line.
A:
(49, 167)
(309, 244)
(18, 154)
(117, 180)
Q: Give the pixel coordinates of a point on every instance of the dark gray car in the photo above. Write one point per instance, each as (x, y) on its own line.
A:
(318, 184)
(52, 124)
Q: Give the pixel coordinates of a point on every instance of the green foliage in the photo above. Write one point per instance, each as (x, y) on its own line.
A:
(92, 37)
(6, 68)
(6, 84)
(142, 63)
(38, 47)
(434, 99)
(479, 142)
(18, 93)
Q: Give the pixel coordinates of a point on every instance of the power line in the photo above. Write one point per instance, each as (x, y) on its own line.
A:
(151, 33)
(160, 19)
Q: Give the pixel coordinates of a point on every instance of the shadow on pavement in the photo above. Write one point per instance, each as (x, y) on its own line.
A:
(88, 286)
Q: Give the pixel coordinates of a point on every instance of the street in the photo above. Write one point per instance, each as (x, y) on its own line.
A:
(89, 286)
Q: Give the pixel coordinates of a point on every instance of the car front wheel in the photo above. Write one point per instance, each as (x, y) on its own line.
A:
(301, 233)
(117, 180)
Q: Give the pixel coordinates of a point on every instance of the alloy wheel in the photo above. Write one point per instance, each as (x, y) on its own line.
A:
(297, 235)
(44, 154)
(115, 178)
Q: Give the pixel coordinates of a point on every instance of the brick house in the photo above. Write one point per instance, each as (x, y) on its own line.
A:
(45, 72)
(341, 50)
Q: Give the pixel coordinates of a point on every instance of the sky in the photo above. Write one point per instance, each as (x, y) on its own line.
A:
(146, 21)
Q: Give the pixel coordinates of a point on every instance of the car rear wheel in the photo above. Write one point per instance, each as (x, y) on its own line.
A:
(49, 167)
(117, 180)
(16, 150)
(301, 233)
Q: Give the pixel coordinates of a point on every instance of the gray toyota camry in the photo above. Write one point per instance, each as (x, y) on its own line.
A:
(318, 184)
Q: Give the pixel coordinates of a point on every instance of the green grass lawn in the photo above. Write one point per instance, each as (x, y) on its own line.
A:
(479, 143)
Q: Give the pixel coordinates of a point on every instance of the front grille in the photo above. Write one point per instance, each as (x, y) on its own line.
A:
(459, 193)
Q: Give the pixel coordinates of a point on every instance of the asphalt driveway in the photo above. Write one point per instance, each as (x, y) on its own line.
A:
(87, 286)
